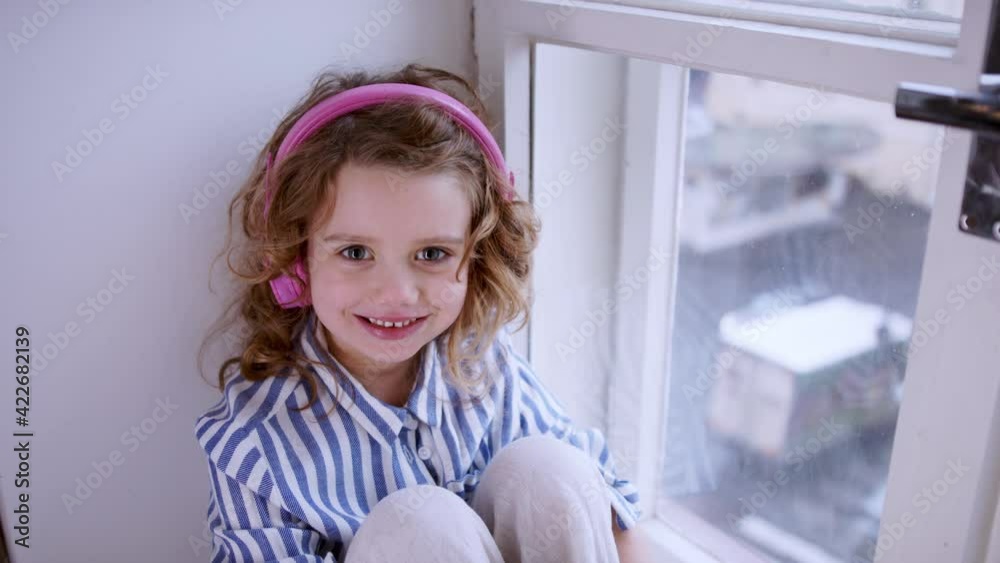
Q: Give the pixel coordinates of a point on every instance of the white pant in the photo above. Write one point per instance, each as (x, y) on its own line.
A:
(540, 500)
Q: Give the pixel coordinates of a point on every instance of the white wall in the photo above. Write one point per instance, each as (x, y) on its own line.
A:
(224, 76)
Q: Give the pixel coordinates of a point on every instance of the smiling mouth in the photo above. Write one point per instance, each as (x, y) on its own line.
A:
(387, 324)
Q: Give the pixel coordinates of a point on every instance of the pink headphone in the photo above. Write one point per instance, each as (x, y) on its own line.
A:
(289, 291)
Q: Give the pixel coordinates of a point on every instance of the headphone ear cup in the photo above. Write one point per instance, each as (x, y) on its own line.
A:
(290, 292)
(300, 268)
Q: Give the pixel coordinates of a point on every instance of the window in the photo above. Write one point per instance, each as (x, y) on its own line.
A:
(803, 221)
(746, 254)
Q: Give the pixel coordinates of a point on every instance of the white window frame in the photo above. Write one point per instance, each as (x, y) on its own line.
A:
(894, 23)
(940, 419)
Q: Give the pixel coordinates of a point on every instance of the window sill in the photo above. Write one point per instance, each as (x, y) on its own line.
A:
(679, 536)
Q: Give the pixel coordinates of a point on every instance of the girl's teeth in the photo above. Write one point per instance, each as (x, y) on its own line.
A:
(393, 325)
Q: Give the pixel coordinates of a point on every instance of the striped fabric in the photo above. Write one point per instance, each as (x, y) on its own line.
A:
(295, 486)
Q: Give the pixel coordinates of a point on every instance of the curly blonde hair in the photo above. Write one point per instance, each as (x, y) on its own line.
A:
(411, 137)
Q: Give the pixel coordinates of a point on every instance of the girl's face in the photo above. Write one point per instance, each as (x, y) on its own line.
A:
(389, 250)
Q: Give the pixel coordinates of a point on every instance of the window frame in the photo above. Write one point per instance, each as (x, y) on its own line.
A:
(914, 26)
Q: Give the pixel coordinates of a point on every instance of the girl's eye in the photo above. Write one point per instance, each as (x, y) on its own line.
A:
(443, 254)
(354, 257)
(431, 254)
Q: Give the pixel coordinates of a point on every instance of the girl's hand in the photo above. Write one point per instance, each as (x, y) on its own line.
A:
(633, 546)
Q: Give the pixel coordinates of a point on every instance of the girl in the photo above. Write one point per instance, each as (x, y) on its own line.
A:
(378, 411)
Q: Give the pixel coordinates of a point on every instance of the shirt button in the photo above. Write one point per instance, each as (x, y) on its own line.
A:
(411, 422)
(424, 453)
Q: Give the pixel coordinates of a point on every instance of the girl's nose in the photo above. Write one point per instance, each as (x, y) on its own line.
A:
(394, 286)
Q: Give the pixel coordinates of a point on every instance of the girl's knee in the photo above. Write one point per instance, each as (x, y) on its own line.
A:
(547, 455)
(545, 495)
(421, 523)
(421, 507)
(546, 466)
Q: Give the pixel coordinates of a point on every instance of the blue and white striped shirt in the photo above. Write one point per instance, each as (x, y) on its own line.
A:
(296, 486)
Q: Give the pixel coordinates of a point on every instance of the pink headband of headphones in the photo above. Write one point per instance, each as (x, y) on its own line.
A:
(288, 291)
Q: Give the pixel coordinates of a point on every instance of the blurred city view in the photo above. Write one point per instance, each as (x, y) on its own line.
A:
(804, 216)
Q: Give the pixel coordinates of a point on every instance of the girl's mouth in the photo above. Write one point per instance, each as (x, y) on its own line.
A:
(391, 332)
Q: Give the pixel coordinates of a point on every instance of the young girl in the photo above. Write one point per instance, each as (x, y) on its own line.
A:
(378, 411)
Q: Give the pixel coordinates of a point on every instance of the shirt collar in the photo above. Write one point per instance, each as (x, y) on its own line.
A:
(380, 419)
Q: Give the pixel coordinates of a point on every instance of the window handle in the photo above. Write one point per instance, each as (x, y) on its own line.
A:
(978, 112)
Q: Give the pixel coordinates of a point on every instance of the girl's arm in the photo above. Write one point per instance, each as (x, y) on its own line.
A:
(247, 528)
(535, 411)
(633, 546)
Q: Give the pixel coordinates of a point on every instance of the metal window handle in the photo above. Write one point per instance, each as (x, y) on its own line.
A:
(978, 112)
